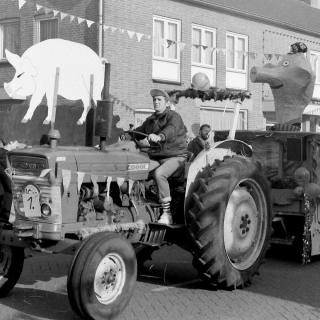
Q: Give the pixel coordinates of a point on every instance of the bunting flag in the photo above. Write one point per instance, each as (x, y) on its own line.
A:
(44, 172)
(204, 47)
(113, 29)
(94, 180)
(105, 27)
(268, 56)
(66, 178)
(170, 42)
(224, 51)
(89, 23)
(21, 3)
(80, 20)
(148, 37)
(196, 45)
(38, 7)
(80, 177)
(277, 56)
(139, 36)
(240, 54)
(130, 33)
(122, 31)
(71, 18)
(63, 15)
(252, 55)
(47, 10)
(212, 49)
(120, 181)
(55, 12)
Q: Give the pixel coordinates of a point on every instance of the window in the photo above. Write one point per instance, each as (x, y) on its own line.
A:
(220, 120)
(140, 115)
(237, 61)
(46, 29)
(203, 58)
(315, 64)
(9, 37)
(166, 53)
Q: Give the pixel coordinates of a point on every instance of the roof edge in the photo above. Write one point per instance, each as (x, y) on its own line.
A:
(221, 7)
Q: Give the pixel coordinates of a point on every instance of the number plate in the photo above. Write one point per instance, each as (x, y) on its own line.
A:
(31, 204)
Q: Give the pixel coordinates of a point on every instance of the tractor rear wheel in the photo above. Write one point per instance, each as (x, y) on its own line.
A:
(231, 221)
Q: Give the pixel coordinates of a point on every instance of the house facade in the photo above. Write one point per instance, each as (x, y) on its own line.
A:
(153, 44)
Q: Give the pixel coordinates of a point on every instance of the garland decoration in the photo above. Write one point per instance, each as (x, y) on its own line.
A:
(309, 210)
(215, 94)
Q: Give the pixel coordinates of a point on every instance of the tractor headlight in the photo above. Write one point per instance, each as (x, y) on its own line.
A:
(45, 210)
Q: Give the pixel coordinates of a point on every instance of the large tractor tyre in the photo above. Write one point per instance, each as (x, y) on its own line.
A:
(75, 269)
(231, 221)
(11, 265)
(107, 271)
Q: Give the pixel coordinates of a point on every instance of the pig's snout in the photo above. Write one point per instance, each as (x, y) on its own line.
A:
(8, 89)
(265, 75)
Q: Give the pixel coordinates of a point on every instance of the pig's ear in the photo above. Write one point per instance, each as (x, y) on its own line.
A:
(27, 66)
(14, 59)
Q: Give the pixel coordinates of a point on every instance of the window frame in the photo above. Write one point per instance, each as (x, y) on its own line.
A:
(316, 53)
(147, 111)
(236, 37)
(40, 18)
(202, 56)
(4, 22)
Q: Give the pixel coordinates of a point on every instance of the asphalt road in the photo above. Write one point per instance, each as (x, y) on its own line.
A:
(170, 289)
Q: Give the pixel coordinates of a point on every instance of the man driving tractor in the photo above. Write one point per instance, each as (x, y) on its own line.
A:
(166, 127)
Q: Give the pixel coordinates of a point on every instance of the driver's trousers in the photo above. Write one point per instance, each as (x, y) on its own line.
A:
(161, 170)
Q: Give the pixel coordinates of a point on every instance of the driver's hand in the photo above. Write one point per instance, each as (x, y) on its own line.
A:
(154, 137)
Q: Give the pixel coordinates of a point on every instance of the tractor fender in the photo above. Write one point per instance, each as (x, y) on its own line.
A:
(218, 150)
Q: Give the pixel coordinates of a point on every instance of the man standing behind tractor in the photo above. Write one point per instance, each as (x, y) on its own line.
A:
(201, 141)
(165, 126)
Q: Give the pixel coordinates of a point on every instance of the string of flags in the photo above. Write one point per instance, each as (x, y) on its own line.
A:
(167, 43)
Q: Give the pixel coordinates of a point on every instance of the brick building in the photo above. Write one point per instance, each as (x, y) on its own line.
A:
(175, 41)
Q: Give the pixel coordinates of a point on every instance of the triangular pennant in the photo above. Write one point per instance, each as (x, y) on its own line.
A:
(211, 49)
(94, 180)
(80, 177)
(169, 42)
(224, 51)
(267, 56)
(148, 37)
(122, 30)
(105, 27)
(120, 181)
(44, 172)
(240, 54)
(71, 18)
(80, 20)
(245, 54)
(182, 45)
(63, 15)
(113, 29)
(252, 55)
(130, 33)
(47, 10)
(38, 7)
(204, 47)
(66, 178)
(55, 12)
(89, 23)
(277, 55)
(196, 45)
(139, 36)
(21, 3)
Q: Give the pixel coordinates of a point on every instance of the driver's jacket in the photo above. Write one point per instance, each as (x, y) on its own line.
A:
(170, 124)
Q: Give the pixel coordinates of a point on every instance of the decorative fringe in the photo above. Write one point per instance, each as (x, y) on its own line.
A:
(116, 227)
(309, 206)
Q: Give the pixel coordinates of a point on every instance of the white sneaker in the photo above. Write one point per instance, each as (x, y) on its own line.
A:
(165, 218)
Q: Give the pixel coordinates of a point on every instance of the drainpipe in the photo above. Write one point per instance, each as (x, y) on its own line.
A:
(100, 27)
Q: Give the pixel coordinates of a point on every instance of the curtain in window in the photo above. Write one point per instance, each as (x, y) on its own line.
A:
(208, 43)
(230, 51)
(158, 33)
(11, 37)
(172, 35)
(48, 29)
(196, 39)
(241, 47)
(217, 121)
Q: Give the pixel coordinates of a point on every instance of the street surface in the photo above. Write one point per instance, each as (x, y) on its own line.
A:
(170, 289)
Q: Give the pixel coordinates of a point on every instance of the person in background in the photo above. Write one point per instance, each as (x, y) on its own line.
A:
(201, 141)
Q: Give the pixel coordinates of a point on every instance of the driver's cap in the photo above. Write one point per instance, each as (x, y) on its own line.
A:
(158, 92)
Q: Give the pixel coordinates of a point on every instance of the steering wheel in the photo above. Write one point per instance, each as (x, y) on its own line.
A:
(150, 149)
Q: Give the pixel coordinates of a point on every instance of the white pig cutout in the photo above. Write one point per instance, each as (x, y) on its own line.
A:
(36, 69)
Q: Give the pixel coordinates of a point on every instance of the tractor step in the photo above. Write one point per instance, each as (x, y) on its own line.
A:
(156, 233)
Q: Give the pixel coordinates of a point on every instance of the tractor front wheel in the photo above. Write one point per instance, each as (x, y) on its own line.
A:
(231, 221)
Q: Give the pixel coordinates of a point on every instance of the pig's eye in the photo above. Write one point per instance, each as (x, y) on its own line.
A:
(285, 63)
(20, 75)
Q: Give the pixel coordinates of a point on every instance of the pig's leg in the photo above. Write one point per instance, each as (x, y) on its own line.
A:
(34, 102)
(49, 96)
(86, 107)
